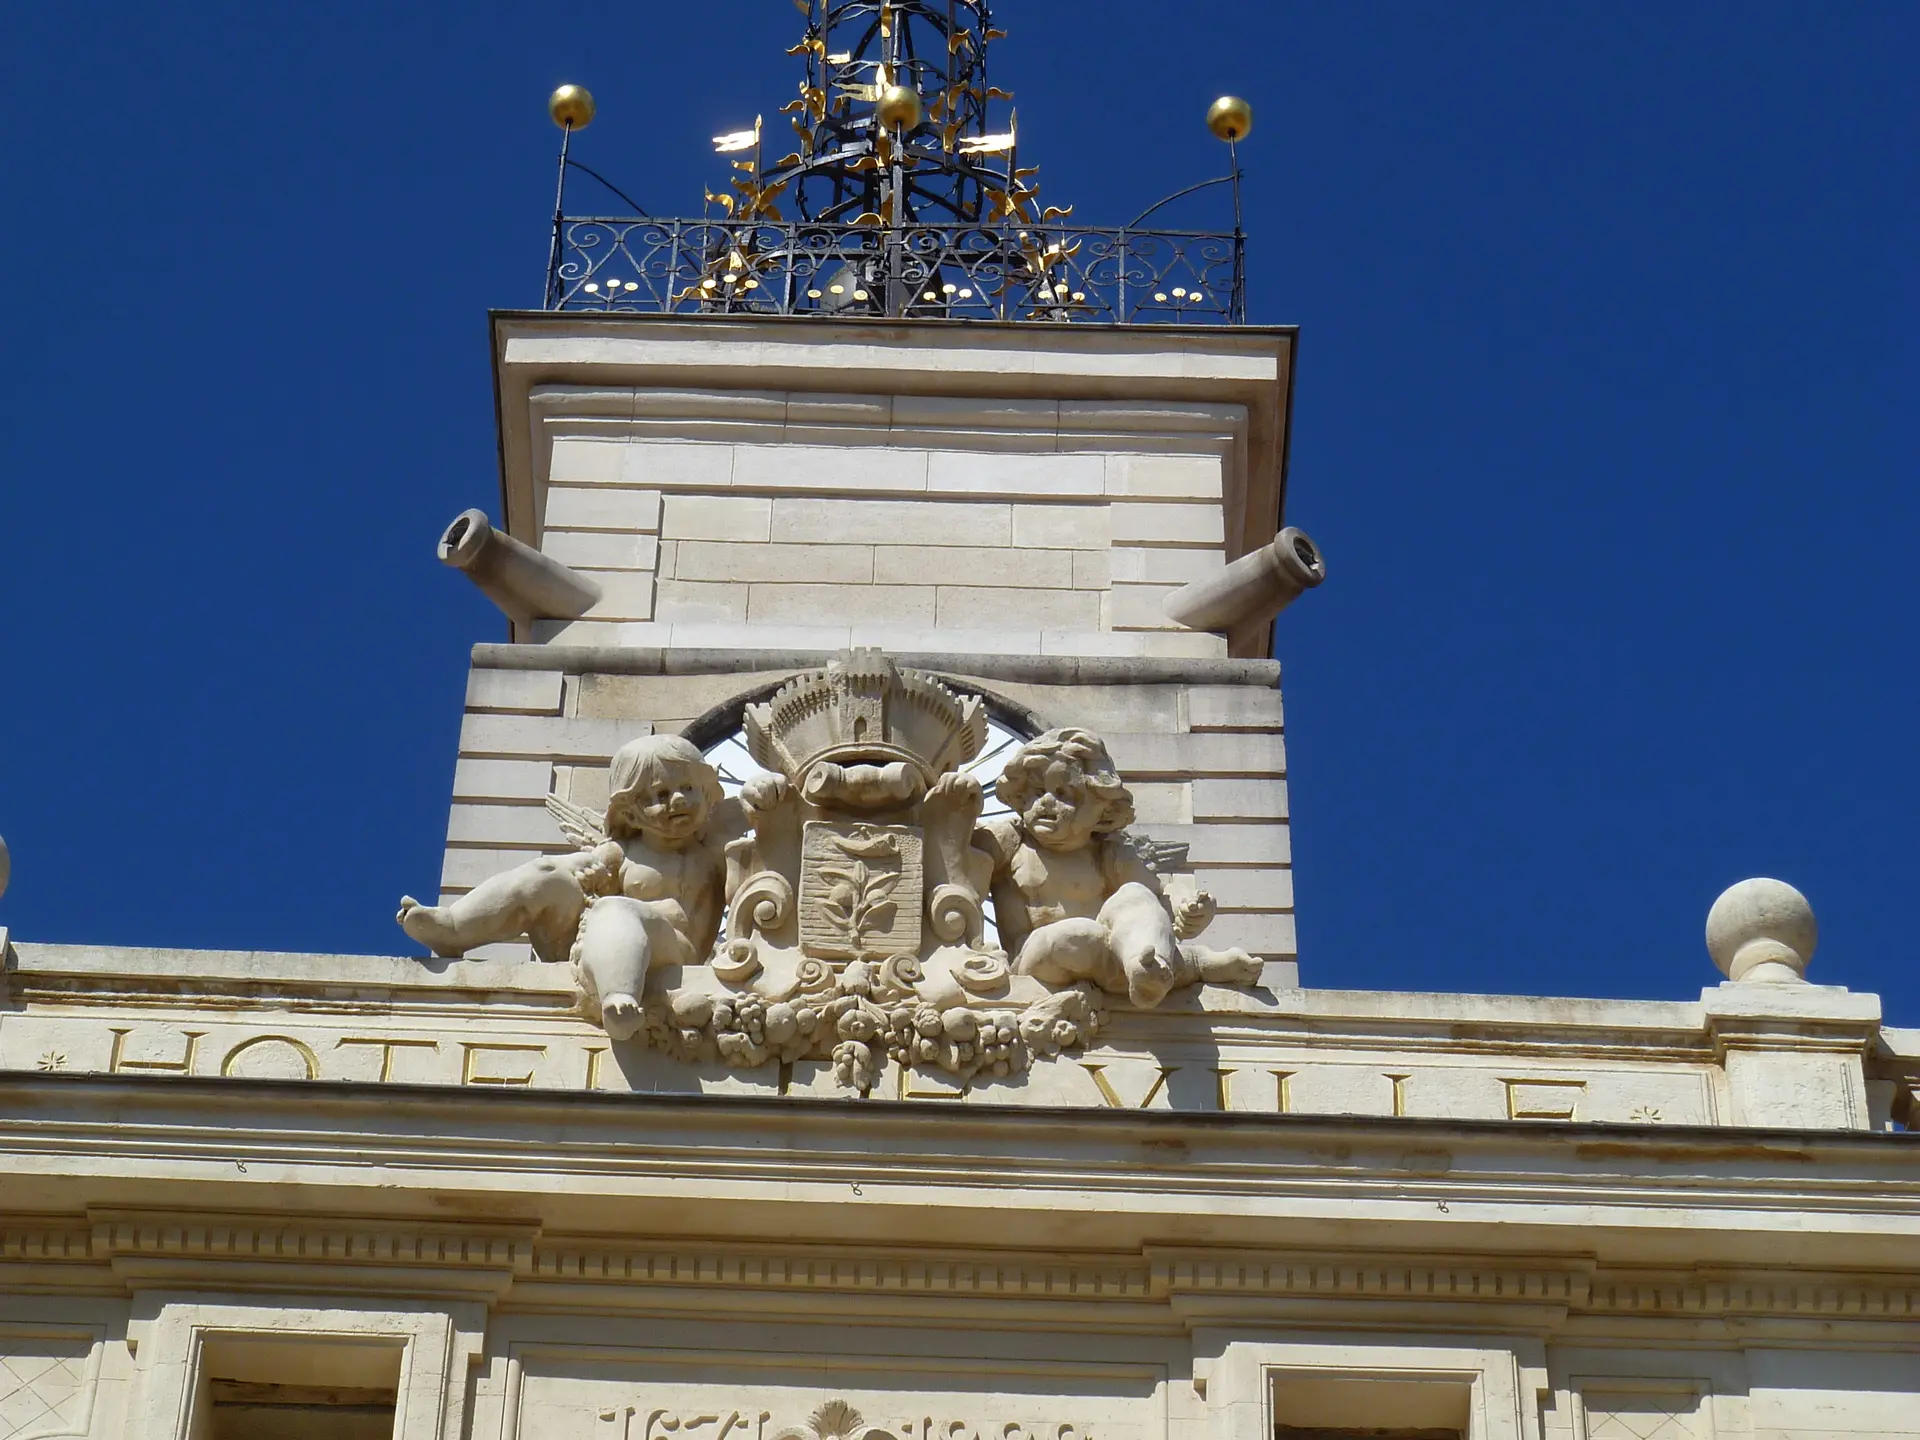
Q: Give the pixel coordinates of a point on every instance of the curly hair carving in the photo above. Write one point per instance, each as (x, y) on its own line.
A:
(1085, 756)
(640, 763)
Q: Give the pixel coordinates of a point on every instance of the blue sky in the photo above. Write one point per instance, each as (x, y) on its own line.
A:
(1605, 419)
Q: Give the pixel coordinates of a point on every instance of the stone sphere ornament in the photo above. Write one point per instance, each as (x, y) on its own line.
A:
(899, 107)
(1230, 117)
(571, 107)
(1762, 931)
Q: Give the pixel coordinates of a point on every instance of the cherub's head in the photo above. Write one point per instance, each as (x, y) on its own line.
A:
(662, 790)
(1065, 789)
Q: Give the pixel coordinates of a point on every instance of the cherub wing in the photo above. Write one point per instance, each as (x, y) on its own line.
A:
(1163, 857)
(582, 827)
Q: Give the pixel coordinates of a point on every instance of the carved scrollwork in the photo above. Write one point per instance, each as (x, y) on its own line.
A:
(956, 914)
(736, 963)
(902, 975)
(983, 972)
(763, 903)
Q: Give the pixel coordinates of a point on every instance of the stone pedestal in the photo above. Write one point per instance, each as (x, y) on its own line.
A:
(1794, 1053)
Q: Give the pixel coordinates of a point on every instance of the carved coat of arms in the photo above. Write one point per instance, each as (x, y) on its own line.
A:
(856, 878)
(861, 890)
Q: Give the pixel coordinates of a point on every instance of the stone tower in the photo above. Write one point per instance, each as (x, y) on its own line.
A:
(929, 417)
(1009, 507)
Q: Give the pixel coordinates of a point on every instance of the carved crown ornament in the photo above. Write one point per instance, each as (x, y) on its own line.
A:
(837, 908)
(863, 713)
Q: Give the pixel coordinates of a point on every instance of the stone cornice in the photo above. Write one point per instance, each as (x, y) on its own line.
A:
(222, 982)
(716, 1114)
(41, 1240)
(931, 1272)
(1228, 1290)
(1199, 1286)
(1785, 1294)
(901, 1173)
(1027, 669)
(118, 1234)
(131, 1250)
(801, 416)
(1400, 1278)
(1816, 1018)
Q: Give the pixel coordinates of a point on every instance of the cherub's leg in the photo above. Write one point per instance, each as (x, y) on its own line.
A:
(1064, 952)
(1142, 941)
(616, 945)
(541, 897)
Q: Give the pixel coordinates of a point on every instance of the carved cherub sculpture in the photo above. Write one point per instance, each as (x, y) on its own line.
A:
(1075, 898)
(645, 889)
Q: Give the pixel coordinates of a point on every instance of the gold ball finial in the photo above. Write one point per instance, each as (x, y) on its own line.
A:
(1230, 117)
(571, 107)
(899, 107)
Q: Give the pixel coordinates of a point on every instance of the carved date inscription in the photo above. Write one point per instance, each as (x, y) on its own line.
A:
(834, 1420)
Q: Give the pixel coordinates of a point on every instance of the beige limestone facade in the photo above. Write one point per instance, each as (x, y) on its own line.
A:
(867, 1003)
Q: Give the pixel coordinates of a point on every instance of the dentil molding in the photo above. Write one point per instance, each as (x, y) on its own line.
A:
(141, 1249)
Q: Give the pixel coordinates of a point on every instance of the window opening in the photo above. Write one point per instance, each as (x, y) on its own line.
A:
(1307, 1406)
(306, 1388)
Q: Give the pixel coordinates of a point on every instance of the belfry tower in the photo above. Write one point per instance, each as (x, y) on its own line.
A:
(883, 395)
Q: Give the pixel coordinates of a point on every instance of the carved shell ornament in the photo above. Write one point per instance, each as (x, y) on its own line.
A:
(865, 904)
(835, 1420)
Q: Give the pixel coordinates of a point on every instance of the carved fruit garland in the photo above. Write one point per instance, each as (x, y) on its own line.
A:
(863, 1017)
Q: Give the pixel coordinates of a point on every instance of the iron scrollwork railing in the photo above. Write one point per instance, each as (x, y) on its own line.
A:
(1008, 271)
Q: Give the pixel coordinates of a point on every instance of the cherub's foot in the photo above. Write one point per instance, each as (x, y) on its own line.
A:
(620, 1016)
(430, 925)
(1150, 975)
(1225, 967)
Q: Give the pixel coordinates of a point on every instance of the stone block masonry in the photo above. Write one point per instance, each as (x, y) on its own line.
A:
(507, 767)
(1206, 761)
(938, 523)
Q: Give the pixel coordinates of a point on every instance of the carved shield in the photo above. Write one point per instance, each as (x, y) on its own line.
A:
(861, 890)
